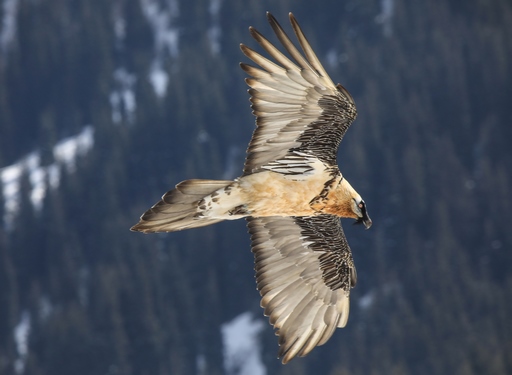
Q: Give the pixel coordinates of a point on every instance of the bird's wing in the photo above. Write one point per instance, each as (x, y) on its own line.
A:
(300, 113)
(304, 271)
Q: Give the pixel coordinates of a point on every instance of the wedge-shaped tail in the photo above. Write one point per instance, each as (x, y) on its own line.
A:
(181, 208)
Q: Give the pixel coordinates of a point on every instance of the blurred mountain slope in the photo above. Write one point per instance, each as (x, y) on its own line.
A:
(160, 84)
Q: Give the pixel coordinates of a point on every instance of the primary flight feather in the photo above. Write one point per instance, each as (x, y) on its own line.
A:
(291, 193)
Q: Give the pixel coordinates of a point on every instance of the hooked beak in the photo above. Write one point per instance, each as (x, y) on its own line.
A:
(367, 222)
(365, 219)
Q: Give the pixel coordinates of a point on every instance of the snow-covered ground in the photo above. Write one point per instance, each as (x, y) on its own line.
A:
(21, 332)
(242, 354)
(166, 37)
(41, 177)
(8, 24)
(122, 99)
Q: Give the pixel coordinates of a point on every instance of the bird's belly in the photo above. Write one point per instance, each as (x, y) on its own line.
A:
(274, 194)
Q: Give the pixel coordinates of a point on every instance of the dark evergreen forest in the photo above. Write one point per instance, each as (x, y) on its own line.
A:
(429, 152)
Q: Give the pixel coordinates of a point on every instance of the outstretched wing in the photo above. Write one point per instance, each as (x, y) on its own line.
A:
(304, 271)
(300, 113)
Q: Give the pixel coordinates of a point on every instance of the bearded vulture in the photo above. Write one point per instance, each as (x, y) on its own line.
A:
(291, 193)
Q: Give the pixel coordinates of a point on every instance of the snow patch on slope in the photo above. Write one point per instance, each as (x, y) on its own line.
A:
(21, 333)
(8, 25)
(159, 79)
(122, 99)
(166, 36)
(41, 177)
(242, 354)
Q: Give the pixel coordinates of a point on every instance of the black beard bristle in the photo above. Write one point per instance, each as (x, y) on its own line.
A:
(358, 221)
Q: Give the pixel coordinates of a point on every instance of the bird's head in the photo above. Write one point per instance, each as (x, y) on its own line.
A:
(346, 202)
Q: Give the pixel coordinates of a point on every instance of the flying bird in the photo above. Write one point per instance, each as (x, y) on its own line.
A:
(291, 193)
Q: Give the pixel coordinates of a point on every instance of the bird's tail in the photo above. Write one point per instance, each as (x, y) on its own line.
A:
(184, 207)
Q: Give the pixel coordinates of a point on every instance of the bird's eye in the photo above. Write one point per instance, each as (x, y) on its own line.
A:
(357, 207)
